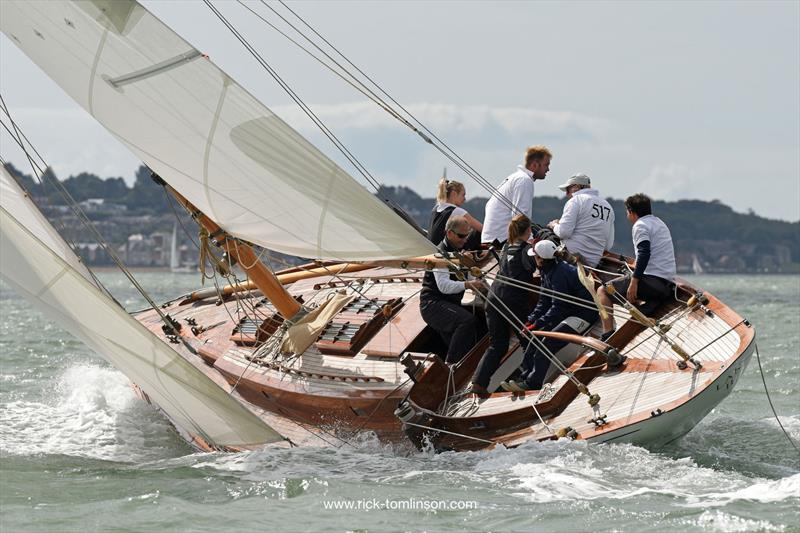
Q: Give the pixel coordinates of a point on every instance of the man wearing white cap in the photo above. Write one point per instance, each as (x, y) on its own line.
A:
(586, 226)
(558, 309)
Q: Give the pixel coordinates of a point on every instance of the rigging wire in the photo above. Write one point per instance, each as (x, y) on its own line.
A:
(766, 391)
(444, 149)
(296, 98)
(39, 173)
(87, 223)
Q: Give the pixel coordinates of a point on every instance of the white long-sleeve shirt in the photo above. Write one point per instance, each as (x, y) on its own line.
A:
(517, 189)
(447, 285)
(586, 226)
(662, 252)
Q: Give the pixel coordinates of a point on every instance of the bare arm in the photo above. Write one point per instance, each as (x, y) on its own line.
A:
(473, 222)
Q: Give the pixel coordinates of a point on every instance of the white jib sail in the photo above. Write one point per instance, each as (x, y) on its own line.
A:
(41, 266)
(203, 133)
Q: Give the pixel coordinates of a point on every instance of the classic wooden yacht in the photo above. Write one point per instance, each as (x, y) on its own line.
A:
(313, 354)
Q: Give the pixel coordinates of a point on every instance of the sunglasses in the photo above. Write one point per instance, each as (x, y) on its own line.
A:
(461, 235)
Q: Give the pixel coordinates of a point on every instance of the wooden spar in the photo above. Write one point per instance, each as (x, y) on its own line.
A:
(588, 342)
(425, 262)
(261, 277)
(284, 279)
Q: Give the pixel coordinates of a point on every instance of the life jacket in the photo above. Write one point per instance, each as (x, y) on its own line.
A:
(436, 228)
(516, 264)
(430, 291)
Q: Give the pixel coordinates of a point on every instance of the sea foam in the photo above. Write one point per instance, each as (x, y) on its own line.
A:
(92, 412)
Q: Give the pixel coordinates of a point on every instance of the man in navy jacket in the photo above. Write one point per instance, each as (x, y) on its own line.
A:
(553, 313)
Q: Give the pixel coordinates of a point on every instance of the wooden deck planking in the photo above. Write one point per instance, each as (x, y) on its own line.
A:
(315, 362)
(394, 338)
(649, 345)
(626, 394)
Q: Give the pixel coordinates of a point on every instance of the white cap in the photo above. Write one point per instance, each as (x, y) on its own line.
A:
(545, 249)
(578, 179)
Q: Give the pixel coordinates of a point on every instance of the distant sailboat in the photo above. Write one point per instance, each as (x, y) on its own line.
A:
(175, 254)
(697, 268)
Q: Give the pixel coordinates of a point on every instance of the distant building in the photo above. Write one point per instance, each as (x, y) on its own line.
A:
(99, 206)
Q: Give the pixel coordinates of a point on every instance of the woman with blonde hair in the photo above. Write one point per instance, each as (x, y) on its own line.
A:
(450, 196)
(507, 305)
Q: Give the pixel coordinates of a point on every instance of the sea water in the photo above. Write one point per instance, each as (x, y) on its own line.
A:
(79, 452)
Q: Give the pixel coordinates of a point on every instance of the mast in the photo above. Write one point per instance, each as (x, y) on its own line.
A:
(261, 276)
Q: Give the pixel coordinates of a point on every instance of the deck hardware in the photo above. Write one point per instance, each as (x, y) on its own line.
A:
(657, 412)
(412, 368)
(567, 432)
(173, 326)
(599, 421)
(191, 321)
(404, 412)
(699, 298)
(614, 358)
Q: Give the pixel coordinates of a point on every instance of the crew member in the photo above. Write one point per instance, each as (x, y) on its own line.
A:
(553, 313)
(440, 299)
(586, 227)
(653, 278)
(515, 194)
(450, 196)
(507, 304)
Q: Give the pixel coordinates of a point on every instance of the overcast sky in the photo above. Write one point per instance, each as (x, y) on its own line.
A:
(674, 99)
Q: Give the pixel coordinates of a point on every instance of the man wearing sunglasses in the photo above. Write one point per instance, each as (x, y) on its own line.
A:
(440, 299)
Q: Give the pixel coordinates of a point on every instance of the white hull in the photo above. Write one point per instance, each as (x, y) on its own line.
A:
(672, 424)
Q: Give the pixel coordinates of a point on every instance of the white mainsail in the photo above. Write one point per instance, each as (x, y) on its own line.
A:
(203, 133)
(37, 262)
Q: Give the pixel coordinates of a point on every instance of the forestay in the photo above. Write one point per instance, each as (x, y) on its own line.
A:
(41, 266)
(204, 134)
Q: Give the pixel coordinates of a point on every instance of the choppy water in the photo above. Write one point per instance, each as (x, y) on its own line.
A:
(80, 452)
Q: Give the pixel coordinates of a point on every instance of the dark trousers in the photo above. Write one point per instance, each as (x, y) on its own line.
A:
(535, 363)
(652, 289)
(499, 333)
(456, 325)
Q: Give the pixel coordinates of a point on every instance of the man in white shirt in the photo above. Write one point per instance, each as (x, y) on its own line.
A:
(586, 226)
(654, 275)
(515, 195)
